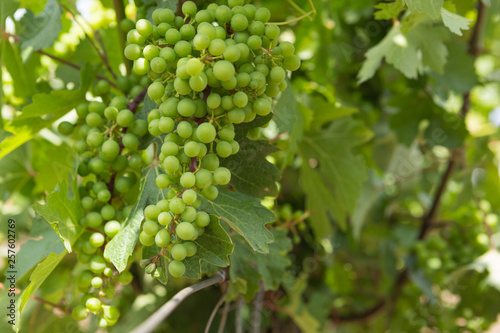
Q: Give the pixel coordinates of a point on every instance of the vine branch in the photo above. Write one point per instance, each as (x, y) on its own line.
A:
(162, 313)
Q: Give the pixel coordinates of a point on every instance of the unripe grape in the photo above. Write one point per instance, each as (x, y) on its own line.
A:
(145, 239)
(84, 280)
(210, 162)
(189, 197)
(97, 239)
(110, 312)
(112, 228)
(263, 15)
(162, 238)
(178, 252)
(223, 70)
(176, 268)
(65, 128)
(93, 304)
(221, 176)
(107, 212)
(206, 133)
(162, 181)
(190, 248)
(141, 66)
(262, 107)
(171, 164)
(186, 107)
(191, 149)
(165, 218)
(182, 48)
(151, 212)
(213, 101)
(201, 41)
(79, 313)
(203, 178)
(239, 22)
(97, 264)
(125, 118)
(224, 149)
(177, 206)
(185, 230)
(93, 220)
(97, 282)
(210, 192)
(291, 63)
(194, 67)
(144, 27)
(189, 214)
(110, 149)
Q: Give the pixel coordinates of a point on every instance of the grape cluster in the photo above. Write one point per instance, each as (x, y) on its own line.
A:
(108, 145)
(211, 69)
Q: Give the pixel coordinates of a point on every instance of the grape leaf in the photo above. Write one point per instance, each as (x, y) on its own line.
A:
(388, 10)
(51, 106)
(251, 266)
(35, 6)
(41, 272)
(24, 81)
(63, 211)
(429, 7)
(251, 173)
(331, 166)
(120, 248)
(214, 247)
(41, 31)
(444, 128)
(288, 118)
(401, 50)
(245, 215)
(454, 22)
(34, 250)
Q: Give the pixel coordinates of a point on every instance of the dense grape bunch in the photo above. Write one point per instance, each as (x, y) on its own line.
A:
(211, 69)
(108, 145)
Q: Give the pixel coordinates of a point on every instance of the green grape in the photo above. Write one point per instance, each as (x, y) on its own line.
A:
(162, 238)
(223, 14)
(184, 129)
(224, 149)
(194, 67)
(110, 312)
(201, 42)
(203, 178)
(156, 91)
(191, 149)
(96, 166)
(217, 47)
(82, 110)
(93, 120)
(239, 22)
(189, 197)
(291, 63)
(125, 118)
(206, 133)
(97, 239)
(112, 228)
(221, 176)
(202, 219)
(210, 162)
(185, 230)
(125, 277)
(232, 54)
(150, 52)
(144, 27)
(166, 124)
(210, 192)
(230, 84)
(169, 149)
(97, 264)
(87, 203)
(65, 128)
(188, 179)
(130, 141)
(190, 248)
(93, 220)
(182, 48)
(104, 196)
(107, 212)
(85, 279)
(177, 206)
(223, 70)
(110, 149)
(263, 15)
(162, 181)
(165, 218)
(189, 214)
(213, 101)
(176, 268)
(236, 116)
(262, 107)
(171, 164)
(198, 83)
(151, 212)
(254, 42)
(168, 55)
(235, 147)
(141, 66)
(186, 107)
(187, 32)
(97, 282)
(145, 239)
(135, 162)
(93, 304)
(79, 313)
(178, 252)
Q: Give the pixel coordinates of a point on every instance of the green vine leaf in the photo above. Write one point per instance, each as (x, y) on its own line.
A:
(63, 211)
(41, 31)
(251, 267)
(245, 215)
(429, 7)
(120, 248)
(214, 247)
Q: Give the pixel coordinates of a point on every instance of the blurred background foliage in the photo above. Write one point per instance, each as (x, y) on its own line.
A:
(389, 147)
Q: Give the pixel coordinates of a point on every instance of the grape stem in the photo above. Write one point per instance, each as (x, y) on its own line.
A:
(132, 106)
(214, 311)
(313, 12)
(164, 312)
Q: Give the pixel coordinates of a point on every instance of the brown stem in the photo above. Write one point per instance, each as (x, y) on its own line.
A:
(132, 106)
